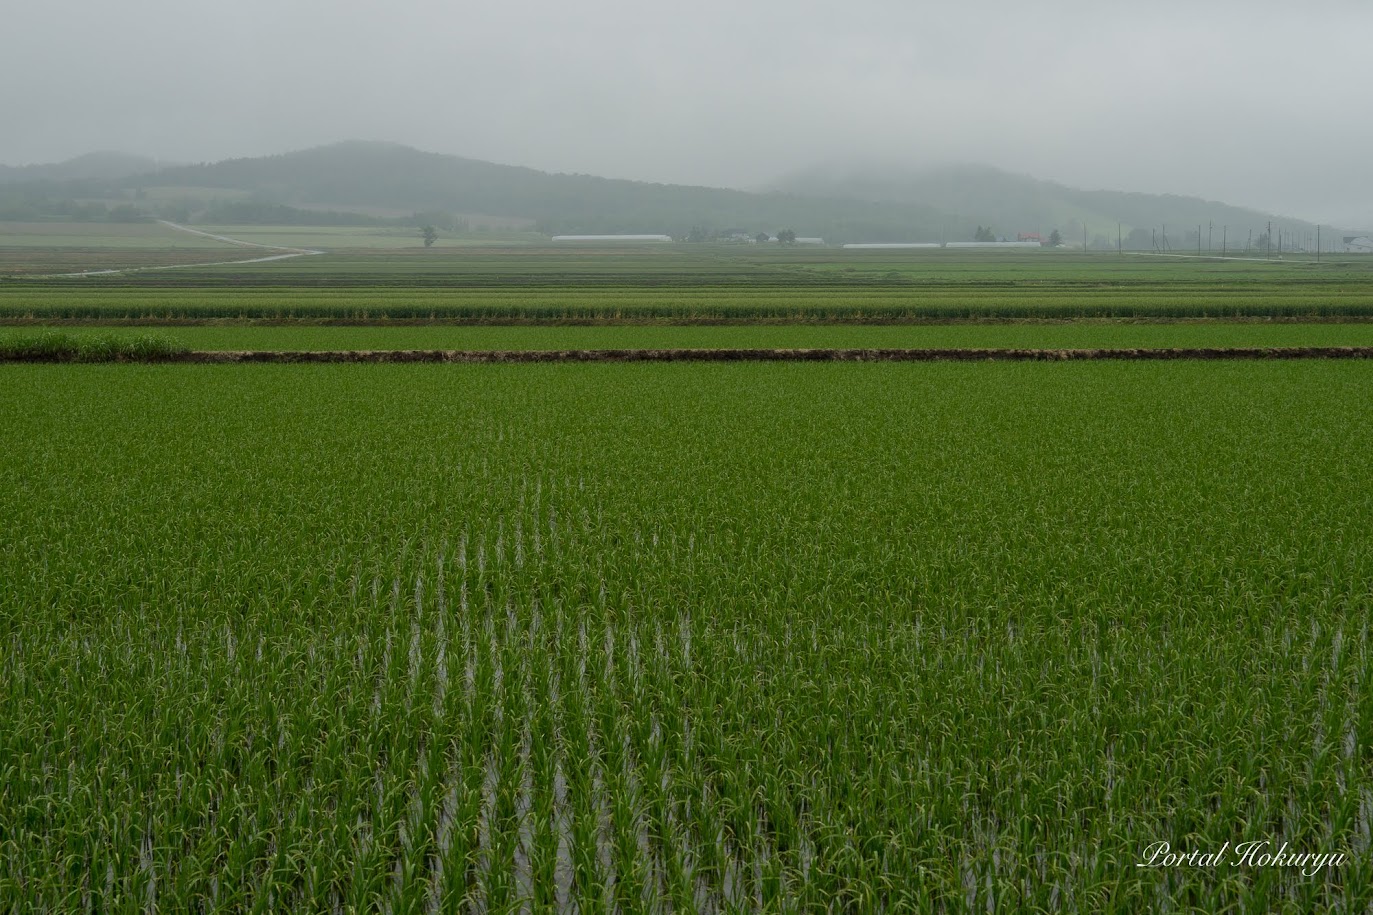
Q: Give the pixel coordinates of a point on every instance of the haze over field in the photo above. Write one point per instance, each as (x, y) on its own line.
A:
(1255, 103)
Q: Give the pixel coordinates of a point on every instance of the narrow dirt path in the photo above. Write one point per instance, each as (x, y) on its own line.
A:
(283, 253)
(783, 355)
(237, 241)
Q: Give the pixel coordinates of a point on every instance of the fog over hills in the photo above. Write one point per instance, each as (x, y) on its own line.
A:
(842, 203)
(95, 165)
(1010, 204)
(371, 176)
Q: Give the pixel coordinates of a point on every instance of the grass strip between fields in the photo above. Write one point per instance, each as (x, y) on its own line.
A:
(135, 352)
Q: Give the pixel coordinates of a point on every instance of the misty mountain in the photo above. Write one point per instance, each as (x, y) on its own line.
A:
(1011, 204)
(366, 182)
(373, 176)
(96, 166)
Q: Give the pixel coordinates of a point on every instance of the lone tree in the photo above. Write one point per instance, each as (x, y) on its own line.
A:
(761, 237)
(786, 236)
(430, 234)
(1055, 239)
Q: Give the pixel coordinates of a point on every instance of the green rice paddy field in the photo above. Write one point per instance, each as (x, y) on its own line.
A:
(673, 284)
(863, 637)
(684, 637)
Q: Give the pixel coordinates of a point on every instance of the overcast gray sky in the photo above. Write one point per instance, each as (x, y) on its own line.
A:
(1256, 103)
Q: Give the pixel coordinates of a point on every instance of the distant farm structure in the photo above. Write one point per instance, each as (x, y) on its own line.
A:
(935, 244)
(993, 244)
(1358, 244)
(890, 245)
(612, 239)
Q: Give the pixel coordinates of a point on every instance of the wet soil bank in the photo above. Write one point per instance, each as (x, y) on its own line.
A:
(725, 355)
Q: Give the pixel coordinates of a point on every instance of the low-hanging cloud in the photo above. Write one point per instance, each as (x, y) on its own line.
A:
(1253, 103)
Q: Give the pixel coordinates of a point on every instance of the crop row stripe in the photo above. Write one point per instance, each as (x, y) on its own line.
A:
(735, 355)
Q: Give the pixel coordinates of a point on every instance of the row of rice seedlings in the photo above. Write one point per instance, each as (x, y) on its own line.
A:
(397, 805)
(652, 302)
(1308, 308)
(55, 346)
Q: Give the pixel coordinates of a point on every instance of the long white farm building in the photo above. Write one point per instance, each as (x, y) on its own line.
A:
(895, 244)
(613, 238)
(951, 244)
(993, 244)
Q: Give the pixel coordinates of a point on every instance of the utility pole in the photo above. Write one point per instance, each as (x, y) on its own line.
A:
(1084, 238)
(1210, 226)
(1120, 245)
(1318, 243)
(1270, 238)
(1224, 236)
(1198, 239)
(1165, 238)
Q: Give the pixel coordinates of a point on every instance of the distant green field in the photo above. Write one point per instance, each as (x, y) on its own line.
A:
(31, 235)
(366, 237)
(672, 284)
(1087, 335)
(770, 265)
(58, 234)
(390, 254)
(708, 638)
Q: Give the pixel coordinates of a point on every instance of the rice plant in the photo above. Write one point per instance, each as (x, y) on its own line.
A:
(57, 346)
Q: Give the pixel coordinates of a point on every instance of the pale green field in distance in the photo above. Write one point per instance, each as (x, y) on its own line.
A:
(368, 248)
(150, 234)
(102, 235)
(365, 237)
(30, 249)
(501, 281)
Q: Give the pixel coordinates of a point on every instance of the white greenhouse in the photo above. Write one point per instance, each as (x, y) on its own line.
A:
(890, 245)
(613, 238)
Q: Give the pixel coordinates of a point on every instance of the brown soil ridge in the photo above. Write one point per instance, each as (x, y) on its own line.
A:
(16, 319)
(714, 355)
(770, 355)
